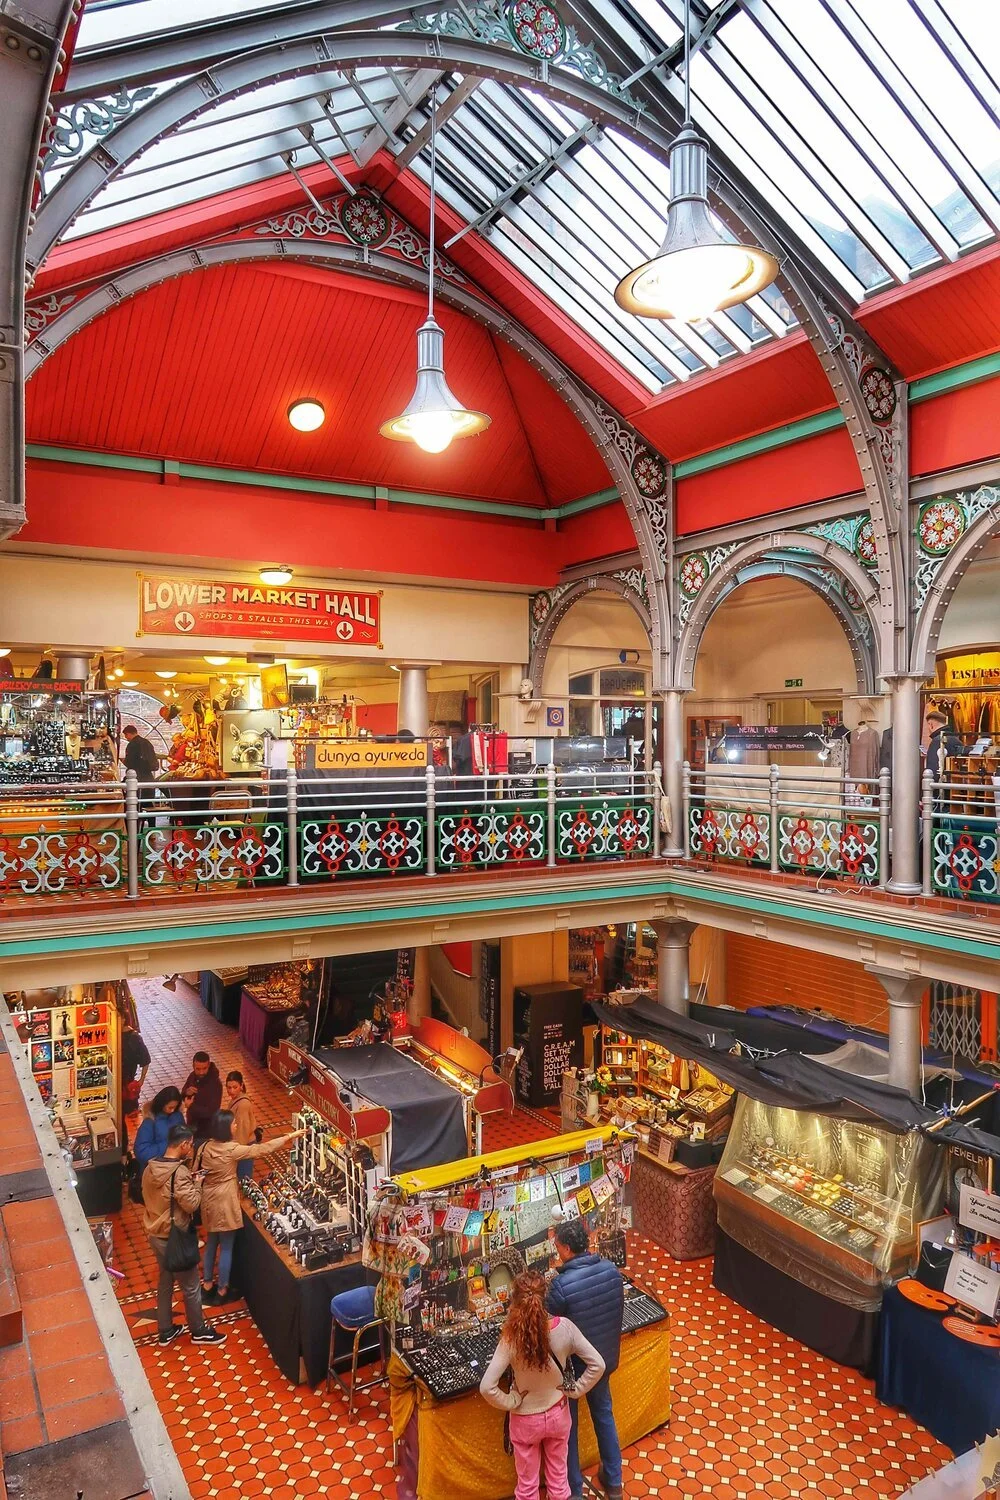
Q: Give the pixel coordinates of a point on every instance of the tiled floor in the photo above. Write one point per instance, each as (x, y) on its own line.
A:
(754, 1413)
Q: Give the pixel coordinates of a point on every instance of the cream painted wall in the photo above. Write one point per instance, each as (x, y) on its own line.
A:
(973, 616)
(768, 630)
(94, 606)
(534, 959)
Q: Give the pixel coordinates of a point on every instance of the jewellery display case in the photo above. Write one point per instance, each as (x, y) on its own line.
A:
(834, 1203)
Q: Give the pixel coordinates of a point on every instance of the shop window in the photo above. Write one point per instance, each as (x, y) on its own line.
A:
(581, 718)
(582, 685)
(956, 1019)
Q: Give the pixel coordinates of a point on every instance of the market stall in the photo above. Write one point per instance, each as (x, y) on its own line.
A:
(448, 1243)
(680, 1114)
(939, 1335)
(73, 1037)
(270, 997)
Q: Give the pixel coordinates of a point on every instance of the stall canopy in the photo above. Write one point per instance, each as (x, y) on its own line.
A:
(428, 1125)
(791, 1068)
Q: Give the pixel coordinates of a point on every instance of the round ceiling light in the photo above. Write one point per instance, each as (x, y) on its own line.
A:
(277, 575)
(166, 675)
(131, 683)
(306, 416)
(4, 651)
(218, 661)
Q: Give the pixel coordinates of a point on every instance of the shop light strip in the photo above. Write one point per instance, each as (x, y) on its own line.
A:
(457, 907)
(958, 376)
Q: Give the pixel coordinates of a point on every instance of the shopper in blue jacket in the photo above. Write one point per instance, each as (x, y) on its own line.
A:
(588, 1290)
(151, 1137)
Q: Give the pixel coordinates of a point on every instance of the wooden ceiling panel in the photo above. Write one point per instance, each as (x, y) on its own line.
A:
(204, 368)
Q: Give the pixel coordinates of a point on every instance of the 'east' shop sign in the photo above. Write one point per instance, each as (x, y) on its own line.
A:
(256, 611)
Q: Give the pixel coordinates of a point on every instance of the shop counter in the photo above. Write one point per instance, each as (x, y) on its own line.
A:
(221, 993)
(847, 1335)
(455, 1448)
(263, 1022)
(289, 1305)
(947, 1385)
(673, 1206)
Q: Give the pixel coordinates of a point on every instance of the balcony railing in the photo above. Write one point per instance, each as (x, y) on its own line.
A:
(178, 837)
(785, 819)
(961, 839)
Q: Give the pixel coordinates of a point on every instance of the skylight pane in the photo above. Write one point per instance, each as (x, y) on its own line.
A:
(107, 21)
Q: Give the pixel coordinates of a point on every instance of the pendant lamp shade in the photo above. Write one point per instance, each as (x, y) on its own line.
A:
(434, 415)
(695, 272)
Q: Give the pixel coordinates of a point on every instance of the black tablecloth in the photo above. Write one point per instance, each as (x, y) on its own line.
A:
(220, 999)
(952, 1388)
(428, 1126)
(292, 1312)
(842, 1333)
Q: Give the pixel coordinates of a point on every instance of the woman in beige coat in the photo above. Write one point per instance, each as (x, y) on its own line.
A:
(221, 1211)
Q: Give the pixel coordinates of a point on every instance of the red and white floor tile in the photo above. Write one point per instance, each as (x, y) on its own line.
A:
(754, 1412)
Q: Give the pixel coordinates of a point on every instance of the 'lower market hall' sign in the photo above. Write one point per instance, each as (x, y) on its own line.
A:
(257, 611)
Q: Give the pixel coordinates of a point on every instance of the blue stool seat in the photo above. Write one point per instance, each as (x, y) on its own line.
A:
(355, 1308)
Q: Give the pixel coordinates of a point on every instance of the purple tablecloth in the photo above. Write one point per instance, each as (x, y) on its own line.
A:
(260, 1028)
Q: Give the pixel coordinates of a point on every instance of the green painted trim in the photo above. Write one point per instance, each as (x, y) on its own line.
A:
(91, 459)
(971, 373)
(762, 442)
(751, 900)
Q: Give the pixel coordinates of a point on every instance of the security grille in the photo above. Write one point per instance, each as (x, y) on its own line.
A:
(956, 1019)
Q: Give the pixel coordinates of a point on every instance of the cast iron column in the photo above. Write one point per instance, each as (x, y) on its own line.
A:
(673, 954)
(905, 816)
(413, 709)
(673, 763)
(906, 993)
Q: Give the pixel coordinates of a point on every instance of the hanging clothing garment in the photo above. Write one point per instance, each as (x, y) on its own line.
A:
(862, 764)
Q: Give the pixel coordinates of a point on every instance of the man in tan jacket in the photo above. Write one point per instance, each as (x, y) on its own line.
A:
(164, 1176)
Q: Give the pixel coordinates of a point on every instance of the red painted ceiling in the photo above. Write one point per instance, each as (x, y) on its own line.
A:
(204, 368)
(945, 318)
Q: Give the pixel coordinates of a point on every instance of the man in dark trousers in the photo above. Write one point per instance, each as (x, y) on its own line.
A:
(588, 1290)
(203, 1093)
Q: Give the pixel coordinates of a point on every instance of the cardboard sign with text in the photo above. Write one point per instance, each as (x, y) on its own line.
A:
(973, 1285)
(354, 755)
(979, 1210)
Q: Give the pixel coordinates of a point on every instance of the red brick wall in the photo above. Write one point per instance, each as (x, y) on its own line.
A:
(759, 972)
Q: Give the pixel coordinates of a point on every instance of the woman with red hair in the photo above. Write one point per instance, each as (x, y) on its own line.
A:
(537, 1350)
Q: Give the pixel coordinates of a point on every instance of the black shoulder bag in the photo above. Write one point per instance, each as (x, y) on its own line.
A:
(181, 1253)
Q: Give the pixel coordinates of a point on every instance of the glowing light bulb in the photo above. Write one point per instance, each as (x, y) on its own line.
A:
(306, 416)
(692, 284)
(432, 430)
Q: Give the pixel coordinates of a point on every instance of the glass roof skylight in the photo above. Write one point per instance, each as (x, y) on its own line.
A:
(864, 132)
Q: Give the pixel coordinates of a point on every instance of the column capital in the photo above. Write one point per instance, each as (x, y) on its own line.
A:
(902, 988)
(672, 932)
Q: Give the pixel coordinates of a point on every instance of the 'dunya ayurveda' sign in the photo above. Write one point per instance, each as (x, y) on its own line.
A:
(257, 611)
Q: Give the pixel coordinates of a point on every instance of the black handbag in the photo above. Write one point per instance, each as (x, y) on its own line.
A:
(181, 1253)
(134, 1171)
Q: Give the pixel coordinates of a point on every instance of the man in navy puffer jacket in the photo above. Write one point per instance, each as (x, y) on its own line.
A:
(588, 1290)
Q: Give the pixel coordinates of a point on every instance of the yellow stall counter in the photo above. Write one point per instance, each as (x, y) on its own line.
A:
(460, 1442)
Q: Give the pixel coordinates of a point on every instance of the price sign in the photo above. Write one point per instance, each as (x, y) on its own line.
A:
(973, 1285)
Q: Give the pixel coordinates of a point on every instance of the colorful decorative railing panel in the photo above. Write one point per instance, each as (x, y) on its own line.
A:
(730, 833)
(610, 828)
(60, 863)
(501, 833)
(360, 844)
(212, 854)
(817, 844)
(965, 858)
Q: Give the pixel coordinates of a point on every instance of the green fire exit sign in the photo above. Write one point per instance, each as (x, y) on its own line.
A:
(793, 682)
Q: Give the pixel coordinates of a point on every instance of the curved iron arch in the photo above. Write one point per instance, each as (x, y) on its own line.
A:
(927, 630)
(371, 265)
(600, 584)
(720, 584)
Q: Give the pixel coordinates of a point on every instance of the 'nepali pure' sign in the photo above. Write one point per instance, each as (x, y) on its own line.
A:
(257, 611)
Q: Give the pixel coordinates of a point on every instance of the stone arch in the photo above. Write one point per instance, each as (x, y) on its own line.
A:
(726, 577)
(376, 266)
(602, 583)
(927, 630)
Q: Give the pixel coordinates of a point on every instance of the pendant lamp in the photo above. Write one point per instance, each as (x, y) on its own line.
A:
(434, 416)
(695, 272)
